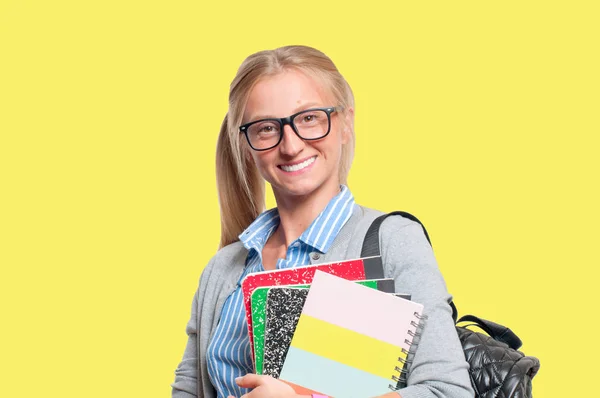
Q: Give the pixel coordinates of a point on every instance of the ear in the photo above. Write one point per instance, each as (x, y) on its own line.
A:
(348, 126)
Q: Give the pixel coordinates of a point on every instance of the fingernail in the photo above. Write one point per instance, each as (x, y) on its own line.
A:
(238, 379)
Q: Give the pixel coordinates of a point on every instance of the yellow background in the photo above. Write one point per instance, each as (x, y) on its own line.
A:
(480, 118)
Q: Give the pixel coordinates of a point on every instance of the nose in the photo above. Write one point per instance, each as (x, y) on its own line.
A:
(291, 144)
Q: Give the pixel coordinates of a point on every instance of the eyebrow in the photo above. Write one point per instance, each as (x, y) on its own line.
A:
(300, 108)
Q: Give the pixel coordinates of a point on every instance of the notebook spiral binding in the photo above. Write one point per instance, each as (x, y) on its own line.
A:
(400, 378)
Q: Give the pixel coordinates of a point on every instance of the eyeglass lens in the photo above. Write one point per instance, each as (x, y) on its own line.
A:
(312, 124)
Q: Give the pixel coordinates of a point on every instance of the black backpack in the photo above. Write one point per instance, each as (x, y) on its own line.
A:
(497, 368)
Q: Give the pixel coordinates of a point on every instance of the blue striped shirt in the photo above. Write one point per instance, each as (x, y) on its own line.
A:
(229, 354)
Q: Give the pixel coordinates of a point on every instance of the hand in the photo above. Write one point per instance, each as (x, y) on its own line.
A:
(264, 387)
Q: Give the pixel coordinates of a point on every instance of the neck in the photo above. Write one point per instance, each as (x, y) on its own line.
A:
(296, 213)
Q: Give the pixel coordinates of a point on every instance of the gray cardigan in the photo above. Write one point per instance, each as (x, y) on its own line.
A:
(439, 369)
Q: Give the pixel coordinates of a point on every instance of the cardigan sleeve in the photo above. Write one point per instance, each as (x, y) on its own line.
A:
(186, 374)
(439, 368)
(187, 384)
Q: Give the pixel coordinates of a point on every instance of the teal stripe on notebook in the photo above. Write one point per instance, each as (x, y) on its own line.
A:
(331, 378)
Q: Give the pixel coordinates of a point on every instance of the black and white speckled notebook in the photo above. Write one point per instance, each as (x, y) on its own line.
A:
(284, 306)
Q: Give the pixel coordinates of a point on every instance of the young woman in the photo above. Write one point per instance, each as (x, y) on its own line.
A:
(290, 122)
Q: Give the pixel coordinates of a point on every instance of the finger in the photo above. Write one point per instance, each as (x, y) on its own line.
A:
(251, 380)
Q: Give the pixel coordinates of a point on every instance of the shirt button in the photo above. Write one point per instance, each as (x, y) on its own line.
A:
(315, 256)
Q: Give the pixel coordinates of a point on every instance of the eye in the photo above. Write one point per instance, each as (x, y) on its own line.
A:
(268, 129)
(311, 118)
(265, 129)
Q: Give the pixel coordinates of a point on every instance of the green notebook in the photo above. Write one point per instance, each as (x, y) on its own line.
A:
(258, 303)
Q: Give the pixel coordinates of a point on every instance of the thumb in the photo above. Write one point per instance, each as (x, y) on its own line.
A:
(251, 380)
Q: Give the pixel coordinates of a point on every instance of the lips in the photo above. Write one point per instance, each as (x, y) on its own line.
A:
(298, 165)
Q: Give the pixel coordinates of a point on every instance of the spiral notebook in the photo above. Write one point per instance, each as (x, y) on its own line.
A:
(350, 341)
(359, 269)
(283, 307)
(291, 310)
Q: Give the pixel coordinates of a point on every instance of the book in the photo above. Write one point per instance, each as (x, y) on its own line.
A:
(359, 269)
(283, 309)
(259, 316)
(350, 341)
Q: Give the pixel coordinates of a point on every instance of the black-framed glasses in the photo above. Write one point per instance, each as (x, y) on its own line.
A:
(310, 124)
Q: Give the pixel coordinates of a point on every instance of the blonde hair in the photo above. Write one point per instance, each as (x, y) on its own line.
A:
(240, 185)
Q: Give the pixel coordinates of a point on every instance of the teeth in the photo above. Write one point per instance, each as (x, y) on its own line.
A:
(299, 166)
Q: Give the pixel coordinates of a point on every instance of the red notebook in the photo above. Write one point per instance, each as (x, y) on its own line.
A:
(355, 270)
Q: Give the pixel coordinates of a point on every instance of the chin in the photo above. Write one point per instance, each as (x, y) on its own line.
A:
(299, 190)
(304, 188)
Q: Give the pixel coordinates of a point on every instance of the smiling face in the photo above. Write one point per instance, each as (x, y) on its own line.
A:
(297, 167)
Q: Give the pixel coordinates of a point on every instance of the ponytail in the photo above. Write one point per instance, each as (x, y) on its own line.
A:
(240, 186)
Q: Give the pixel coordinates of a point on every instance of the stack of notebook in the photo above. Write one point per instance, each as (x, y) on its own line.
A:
(333, 329)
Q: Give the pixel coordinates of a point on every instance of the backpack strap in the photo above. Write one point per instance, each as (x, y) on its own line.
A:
(371, 247)
(371, 243)
(495, 331)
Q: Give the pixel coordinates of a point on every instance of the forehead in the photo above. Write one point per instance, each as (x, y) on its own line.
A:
(285, 93)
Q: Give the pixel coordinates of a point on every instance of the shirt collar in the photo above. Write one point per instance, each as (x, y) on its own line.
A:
(319, 235)
(257, 233)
